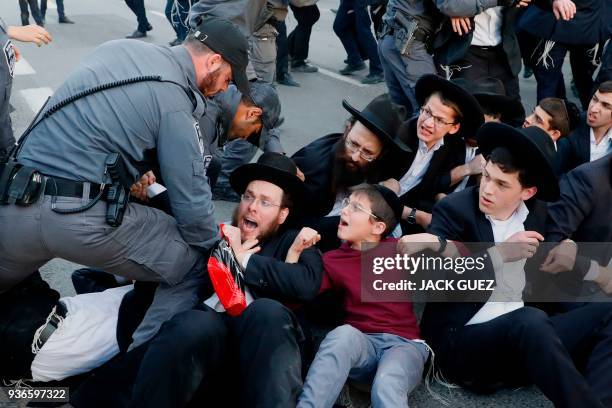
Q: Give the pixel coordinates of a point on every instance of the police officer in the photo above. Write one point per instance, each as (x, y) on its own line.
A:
(151, 123)
(10, 55)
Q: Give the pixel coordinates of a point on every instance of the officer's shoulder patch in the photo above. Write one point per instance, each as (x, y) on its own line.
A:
(10, 57)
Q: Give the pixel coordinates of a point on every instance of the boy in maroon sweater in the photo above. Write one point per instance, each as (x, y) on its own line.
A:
(380, 341)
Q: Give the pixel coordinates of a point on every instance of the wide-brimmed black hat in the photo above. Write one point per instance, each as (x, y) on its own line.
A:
(532, 147)
(275, 168)
(492, 93)
(473, 117)
(383, 118)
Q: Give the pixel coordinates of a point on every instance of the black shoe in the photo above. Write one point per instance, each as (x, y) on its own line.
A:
(372, 79)
(175, 42)
(149, 27)
(136, 34)
(304, 67)
(527, 72)
(65, 20)
(350, 68)
(287, 80)
(335, 11)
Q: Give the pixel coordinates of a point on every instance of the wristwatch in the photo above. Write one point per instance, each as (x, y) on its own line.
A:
(443, 243)
(411, 219)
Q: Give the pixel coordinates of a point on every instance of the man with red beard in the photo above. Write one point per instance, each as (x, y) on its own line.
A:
(591, 140)
(369, 150)
(257, 353)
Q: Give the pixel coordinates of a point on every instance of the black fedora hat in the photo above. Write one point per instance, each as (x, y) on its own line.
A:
(383, 118)
(531, 146)
(492, 93)
(473, 117)
(275, 168)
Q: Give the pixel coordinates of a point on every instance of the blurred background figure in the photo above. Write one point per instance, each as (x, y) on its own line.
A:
(60, 11)
(138, 8)
(177, 12)
(25, 15)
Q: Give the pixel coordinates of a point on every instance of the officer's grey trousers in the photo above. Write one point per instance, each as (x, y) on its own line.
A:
(403, 71)
(262, 54)
(147, 246)
(234, 154)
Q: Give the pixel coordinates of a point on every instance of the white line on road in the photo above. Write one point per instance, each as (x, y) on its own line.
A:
(36, 97)
(22, 67)
(341, 77)
(157, 13)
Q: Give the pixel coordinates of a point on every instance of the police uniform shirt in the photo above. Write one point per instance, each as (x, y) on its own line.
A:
(7, 68)
(133, 120)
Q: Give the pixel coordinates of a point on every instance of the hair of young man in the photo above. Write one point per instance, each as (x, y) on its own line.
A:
(248, 102)
(556, 108)
(378, 206)
(489, 110)
(449, 103)
(605, 87)
(508, 163)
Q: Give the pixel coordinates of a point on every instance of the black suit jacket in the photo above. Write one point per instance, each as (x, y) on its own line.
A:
(584, 212)
(457, 217)
(450, 48)
(437, 176)
(575, 149)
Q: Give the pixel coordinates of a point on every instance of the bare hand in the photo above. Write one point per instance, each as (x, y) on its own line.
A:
(461, 25)
(300, 174)
(392, 184)
(521, 245)
(415, 243)
(564, 9)
(241, 249)
(561, 258)
(30, 33)
(17, 53)
(139, 189)
(306, 238)
(604, 280)
(522, 3)
(476, 165)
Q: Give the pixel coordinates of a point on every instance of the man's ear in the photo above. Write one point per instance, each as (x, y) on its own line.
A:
(253, 112)
(527, 193)
(454, 128)
(214, 62)
(282, 217)
(555, 134)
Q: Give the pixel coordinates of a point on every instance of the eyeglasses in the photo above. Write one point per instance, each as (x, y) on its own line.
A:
(354, 147)
(355, 207)
(250, 198)
(438, 121)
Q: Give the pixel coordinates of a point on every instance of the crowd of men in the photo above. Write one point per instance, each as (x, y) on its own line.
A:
(119, 169)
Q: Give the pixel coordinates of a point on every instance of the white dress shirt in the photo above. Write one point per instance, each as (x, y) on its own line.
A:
(419, 166)
(487, 30)
(470, 153)
(603, 148)
(509, 276)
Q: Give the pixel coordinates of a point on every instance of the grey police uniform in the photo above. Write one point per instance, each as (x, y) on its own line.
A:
(403, 70)
(7, 66)
(251, 17)
(152, 125)
(215, 125)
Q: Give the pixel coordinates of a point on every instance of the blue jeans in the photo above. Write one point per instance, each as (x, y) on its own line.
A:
(402, 72)
(353, 27)
(177, 19)
(393, 364)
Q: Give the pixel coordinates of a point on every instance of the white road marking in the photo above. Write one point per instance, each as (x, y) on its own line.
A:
(36, 97)
(342, 78)
(23, 67)
(157, 13)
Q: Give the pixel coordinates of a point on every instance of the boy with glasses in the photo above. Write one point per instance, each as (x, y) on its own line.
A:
(379, 342)
(446, 110)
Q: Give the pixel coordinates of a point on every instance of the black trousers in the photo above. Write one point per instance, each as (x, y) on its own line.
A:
(480, 62)
(138, 8)
(299, 39)
(527, 346)
(208, 359)
(25, 15)
(282, 50)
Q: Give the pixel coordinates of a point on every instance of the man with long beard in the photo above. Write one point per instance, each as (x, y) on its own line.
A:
(369, 150)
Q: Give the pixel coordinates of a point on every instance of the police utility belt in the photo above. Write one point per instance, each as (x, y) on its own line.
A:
(23, 185)
(405, 32)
